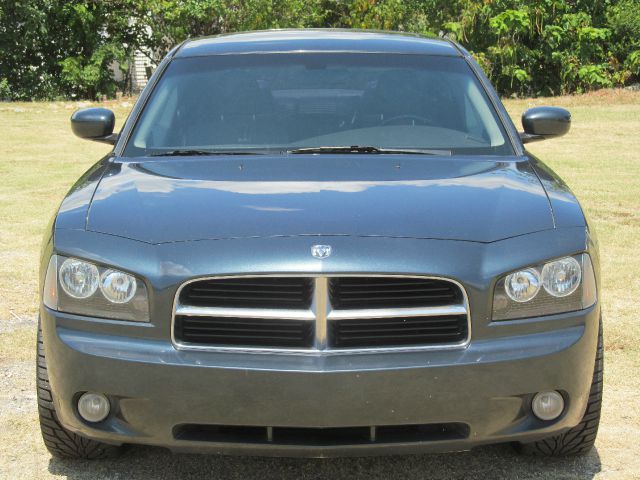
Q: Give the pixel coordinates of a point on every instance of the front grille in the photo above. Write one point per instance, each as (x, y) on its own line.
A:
(321, 437)
(349, 313)
(255, 292)
(390, 332)
(391, 292)
(244, 332)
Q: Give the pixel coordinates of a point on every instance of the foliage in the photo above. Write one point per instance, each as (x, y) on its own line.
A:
(98, 35)
(171, 21)
(55, 48)
(546, 47)
(52, 48)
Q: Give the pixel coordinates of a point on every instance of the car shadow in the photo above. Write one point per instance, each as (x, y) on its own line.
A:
(486, 462)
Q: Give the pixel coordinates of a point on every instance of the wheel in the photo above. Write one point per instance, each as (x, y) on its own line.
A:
(59, 441)
(580, 439)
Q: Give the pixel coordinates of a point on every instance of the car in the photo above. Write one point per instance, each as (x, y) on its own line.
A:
(319, 243)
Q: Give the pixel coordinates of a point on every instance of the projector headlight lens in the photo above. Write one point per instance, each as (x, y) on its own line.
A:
(78, 279)
(562, 277)
(522, 286)
(117, 287)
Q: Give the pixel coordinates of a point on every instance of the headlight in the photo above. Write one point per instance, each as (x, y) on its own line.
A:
(562, 277)
(117, 287)
(564, 285)
(78, 279)
(522, 286)
(81, 287)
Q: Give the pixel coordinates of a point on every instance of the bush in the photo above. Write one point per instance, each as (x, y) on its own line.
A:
(5, 90)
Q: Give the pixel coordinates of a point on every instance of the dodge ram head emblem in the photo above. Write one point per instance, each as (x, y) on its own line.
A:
(321, 251)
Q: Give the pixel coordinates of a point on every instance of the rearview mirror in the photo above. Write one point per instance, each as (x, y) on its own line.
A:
(94, 124)
(540, 123)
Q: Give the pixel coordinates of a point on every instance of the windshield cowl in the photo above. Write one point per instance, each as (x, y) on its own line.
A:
(355, 149)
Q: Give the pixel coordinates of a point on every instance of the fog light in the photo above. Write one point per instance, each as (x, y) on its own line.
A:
(547, 405)
(93, 407)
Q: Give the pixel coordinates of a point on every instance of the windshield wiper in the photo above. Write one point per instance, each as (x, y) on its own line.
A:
(369, 149)
(193, 153)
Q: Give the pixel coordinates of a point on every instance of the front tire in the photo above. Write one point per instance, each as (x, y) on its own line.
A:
(581, 438)
(59, 441)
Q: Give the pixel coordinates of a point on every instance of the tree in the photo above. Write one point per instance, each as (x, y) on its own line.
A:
(54, 48)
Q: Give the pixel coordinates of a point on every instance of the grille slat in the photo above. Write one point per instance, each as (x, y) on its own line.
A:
(200, 322)
(224, 299)
(399, 336)
(367, 300)
(397, 323)
(403, 329)
(232, 338)
(253, 282)
(230, 330)
(244, 290)
(374, 291)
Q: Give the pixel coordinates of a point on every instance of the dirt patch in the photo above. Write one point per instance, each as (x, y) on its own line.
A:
(17, 322)
(17, 385)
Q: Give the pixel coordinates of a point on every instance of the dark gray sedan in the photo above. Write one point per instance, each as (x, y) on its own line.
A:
(319, 243)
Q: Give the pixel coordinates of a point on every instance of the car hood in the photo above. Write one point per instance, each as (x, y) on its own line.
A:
(180, 199)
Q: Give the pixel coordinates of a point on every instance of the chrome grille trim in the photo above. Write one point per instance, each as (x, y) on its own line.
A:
(397, 312)
(322, 313)
(269, 313)
(320, 308)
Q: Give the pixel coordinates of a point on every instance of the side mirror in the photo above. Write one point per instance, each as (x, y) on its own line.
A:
(540, 123)
(94, 124)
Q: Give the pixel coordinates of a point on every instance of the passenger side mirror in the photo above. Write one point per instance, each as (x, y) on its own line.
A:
(94, 124)
(540, 123)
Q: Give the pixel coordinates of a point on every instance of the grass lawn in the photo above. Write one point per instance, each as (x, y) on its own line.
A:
(600, 160)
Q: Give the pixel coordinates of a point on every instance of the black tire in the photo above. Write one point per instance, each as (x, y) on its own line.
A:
(580, 439)
(59, 441)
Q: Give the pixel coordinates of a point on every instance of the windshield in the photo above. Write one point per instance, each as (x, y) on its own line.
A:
(287, 102)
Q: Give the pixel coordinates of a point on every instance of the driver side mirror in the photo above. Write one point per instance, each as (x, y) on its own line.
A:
(540, 123)
(94, 124)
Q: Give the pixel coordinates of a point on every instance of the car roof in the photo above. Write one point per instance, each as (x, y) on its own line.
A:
(317, 40)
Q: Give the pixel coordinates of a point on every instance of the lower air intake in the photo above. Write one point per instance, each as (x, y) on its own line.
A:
(321, 437)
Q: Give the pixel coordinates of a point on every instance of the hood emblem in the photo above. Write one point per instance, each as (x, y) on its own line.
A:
(321, 251)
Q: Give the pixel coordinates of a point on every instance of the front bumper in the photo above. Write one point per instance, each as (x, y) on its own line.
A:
(486, 388)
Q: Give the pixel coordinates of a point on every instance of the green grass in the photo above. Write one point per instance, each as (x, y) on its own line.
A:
(599, 159)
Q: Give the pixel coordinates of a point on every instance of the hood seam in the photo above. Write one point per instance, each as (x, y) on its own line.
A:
(553, 214)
